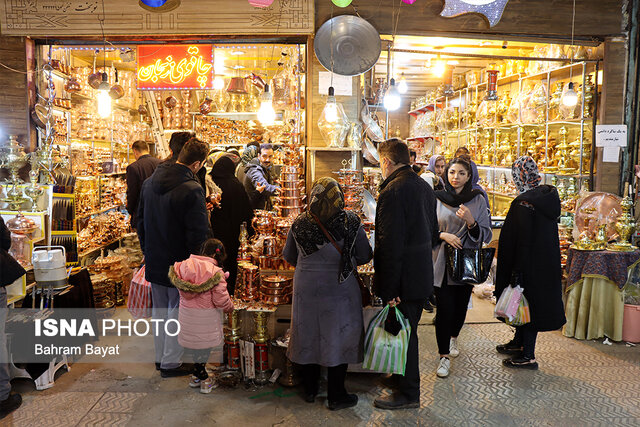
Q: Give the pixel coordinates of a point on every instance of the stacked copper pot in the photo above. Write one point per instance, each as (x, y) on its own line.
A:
(290, 199)
(247, 282)
(353, 187)
(276, 289)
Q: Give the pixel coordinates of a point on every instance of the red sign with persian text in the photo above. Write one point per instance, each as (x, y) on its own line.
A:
(175, 67)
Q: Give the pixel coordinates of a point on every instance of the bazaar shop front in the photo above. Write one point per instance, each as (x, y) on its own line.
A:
(500, 91)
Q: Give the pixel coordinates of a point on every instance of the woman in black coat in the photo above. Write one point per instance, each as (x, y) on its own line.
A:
(226, 219)
(529, 256)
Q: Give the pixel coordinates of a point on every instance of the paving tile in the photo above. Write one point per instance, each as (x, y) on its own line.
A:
(99, 419)
(117, 402)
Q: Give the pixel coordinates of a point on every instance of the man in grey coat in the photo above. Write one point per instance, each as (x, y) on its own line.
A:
(406, 230)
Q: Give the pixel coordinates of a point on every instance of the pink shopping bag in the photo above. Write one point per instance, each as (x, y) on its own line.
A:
(139, 302)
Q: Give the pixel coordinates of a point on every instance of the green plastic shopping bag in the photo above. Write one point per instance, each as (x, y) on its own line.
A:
(383, 351)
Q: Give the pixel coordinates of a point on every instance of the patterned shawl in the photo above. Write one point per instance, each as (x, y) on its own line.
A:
(326, 203)
(525, 174)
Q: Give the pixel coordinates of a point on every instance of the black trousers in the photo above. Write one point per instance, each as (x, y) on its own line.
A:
(526, 337)
(409, 384)
(335, 386)
(450, 312)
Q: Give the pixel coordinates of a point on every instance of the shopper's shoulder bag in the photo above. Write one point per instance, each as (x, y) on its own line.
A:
(469, 266)
(364, 290)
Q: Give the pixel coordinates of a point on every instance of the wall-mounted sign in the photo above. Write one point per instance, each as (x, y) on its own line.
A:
(492, 9)
(175, 67)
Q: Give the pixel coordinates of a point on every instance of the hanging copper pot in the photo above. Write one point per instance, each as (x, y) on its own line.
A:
(237, 85)
(116, 91)
(95, 78)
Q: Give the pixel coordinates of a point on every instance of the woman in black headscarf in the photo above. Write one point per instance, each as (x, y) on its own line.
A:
(529, 256)
(234, 209)
(463, 220)
(326, 322)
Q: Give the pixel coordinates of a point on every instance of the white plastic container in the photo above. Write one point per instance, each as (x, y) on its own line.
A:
(49, 266)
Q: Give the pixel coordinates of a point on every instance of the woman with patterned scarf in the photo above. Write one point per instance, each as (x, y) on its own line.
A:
(326, 322)
(529, 256)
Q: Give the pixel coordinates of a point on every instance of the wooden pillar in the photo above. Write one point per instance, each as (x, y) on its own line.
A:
(611, 110)
(14, 106)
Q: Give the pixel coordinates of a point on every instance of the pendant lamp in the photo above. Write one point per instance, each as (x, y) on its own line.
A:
(409, 1)
(341, 3)
(266, 113)
(392, 98)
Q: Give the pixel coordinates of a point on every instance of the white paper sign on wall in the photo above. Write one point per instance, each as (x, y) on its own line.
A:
(611, 136)
(343, 85)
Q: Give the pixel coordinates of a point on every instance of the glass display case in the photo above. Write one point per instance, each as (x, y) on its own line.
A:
(530, 116)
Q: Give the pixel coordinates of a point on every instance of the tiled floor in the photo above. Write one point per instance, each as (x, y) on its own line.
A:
(579, 384)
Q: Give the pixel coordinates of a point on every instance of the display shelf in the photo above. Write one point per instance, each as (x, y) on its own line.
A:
(424, 109)
(98, 212)
(64, 195)
(60, 74)
(333, 149)
(420, 138)
(97, 248)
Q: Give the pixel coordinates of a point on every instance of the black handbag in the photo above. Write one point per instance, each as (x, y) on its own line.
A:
(469, 265)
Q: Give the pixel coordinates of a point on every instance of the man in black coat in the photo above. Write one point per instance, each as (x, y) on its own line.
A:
(172, 225)
(10, 270)
(137, 173)
(406, 229)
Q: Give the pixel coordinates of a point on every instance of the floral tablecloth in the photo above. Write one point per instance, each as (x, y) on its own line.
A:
(594, 304)
(609, 265)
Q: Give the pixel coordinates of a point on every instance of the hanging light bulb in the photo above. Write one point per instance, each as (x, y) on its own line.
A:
(266, 113)
(103, 98)
(570, 97)
(341, 3)
(331, 107)
(403, 87)
(218, 83)
(439, 68)
(392, 98)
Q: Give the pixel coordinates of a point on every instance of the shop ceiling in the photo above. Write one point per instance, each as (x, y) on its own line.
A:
(415, 67)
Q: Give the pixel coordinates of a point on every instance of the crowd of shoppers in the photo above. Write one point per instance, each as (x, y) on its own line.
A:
(421, 214)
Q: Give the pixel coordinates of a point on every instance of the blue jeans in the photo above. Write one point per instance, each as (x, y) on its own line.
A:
(5, 385)
(166, 302)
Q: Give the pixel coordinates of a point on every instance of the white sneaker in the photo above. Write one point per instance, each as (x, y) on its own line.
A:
(453, 347)
(207, 385)
(195, 382)
(443, 367)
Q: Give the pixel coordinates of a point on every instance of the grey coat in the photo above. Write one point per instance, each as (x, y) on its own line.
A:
(326, 322)
(448, 222)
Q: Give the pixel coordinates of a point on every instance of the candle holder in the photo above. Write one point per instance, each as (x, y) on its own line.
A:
(232, 340)
(625, 226)
(260, 339)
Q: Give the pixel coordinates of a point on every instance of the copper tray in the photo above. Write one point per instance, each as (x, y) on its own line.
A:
(606, 210)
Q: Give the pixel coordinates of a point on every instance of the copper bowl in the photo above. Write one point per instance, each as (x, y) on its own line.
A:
(290, 169)
(275, 291)
(291, 184)
(276, 300)
(292, 192)
(287, 211)
(289, 176)
(290, 202)
(276, 281)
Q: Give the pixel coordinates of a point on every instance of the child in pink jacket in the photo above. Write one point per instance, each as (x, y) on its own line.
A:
(203, 289)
